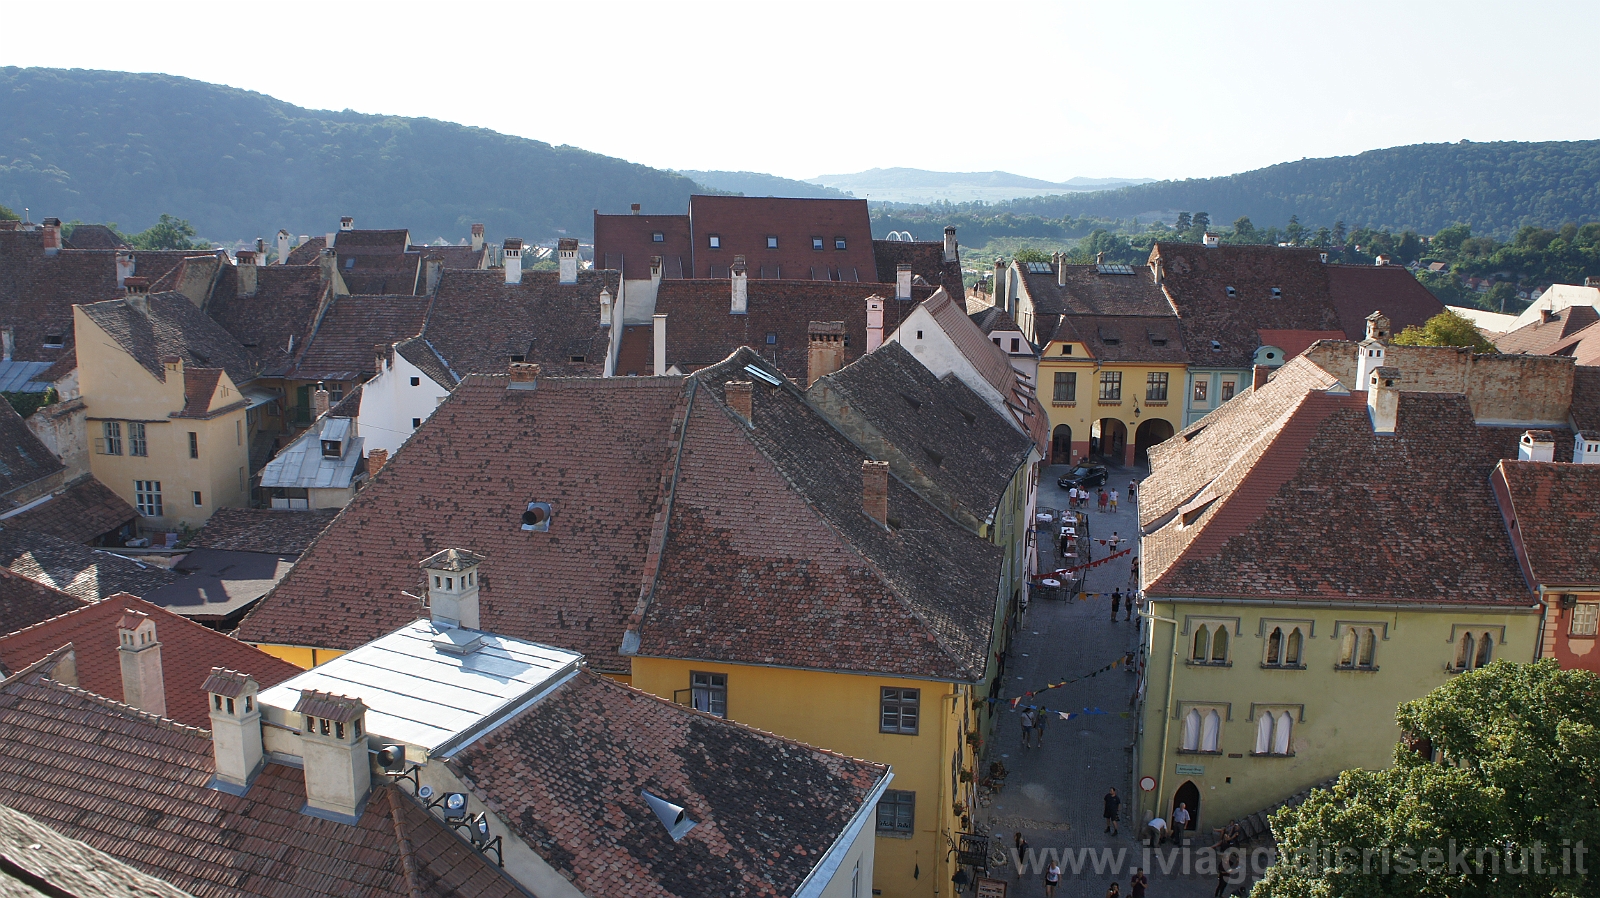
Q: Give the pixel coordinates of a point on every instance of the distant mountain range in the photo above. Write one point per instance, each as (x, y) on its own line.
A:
(751, 183)
(915, 185)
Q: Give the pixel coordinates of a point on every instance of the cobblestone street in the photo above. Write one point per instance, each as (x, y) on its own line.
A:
(1053, 794)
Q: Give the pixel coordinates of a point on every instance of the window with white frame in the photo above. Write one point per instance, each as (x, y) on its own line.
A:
(1210, 643)
(1285, 645)
(1202, 728)
(147, 497)
(111, 443)
(1585, 619)
(709, 692)
(137, 444)
(1274, 732)
(1358, 648)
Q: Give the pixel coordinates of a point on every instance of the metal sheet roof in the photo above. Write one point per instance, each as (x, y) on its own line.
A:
(18, 377)
(420, 694)
(302, 465)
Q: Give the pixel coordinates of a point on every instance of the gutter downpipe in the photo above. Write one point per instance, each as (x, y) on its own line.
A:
(1166, 710)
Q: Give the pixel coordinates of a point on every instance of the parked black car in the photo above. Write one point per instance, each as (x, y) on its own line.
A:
(1083, 477)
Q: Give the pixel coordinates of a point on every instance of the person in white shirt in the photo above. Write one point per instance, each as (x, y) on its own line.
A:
(1180, 820)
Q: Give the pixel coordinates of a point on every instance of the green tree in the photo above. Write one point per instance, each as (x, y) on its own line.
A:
(1409, 249)
(168, 233)
(1243, 228)
(1202, 221)
(1184, 222)
(8, 215)
(1029, 254)
(1516, 786)
(1447, 328)
(1338, 233)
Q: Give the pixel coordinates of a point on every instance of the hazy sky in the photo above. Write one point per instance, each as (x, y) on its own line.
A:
(1050, 90)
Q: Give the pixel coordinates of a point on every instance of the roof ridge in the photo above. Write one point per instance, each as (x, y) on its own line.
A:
(82, 602)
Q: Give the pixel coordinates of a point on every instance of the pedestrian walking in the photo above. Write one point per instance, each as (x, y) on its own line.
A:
(1114, 892)
(1022, 847)
(1137, 884)
(1039, 721)
(1133, 573)
(1225, 869)
(1116, 604)
(1133, 487)
(1103, 499)
(1113, 501)
(1113, 811)
(1180, 821)
(1052, 878)
(1027, 725)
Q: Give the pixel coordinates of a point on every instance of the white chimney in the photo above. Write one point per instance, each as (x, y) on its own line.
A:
(874, 322)
(658, 334)
(453, 587)
(235, 728)
(655, 269)
(1536, 445)
(477, 238)
(741, 287)
(333, 750)
(1377, 326)
(140, 654)
(432, 270)
(1586, 448)
(1369, 356)
(902, 281)
(567, 259)
(605, 307)
(1209, 239)
(1060, 262)
(347, 223)
(513, 260)
(1383, 398)
(950, 252)
(8, 342)
(124, 266)
(285, 244)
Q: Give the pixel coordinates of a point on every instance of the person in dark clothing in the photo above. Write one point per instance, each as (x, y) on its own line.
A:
(1116, 603)
(1113, 811)
(1224, 872)
(1137, 884)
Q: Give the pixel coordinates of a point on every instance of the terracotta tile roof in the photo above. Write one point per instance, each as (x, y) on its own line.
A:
(940, 427)
(285, 306)
(46, 864)
(90, 574)
(342, 348)
(37, 292)
(24, 602)
(1289, 516)
(625, 243)
(309, 252)
(396, 274)
(745, 222)
(568, 772)
(1127, 338)
(82, 512)
(372, 241)
(1553, 520)
(456, 256)
(174, 327)
(926, 259)
(195, 276)
(994, 319)
(527, 446)
(1543, 336)
(636, 352)
(479, 321)
(24, 460)
(272, 531)
(769, 559)
(95, 236)
(1295, 342)
(702, 331)
(188, 652)
(1088, 292)
(199, 386)
(1583, 347)
(418, 351)
(1357, 290)
(136, 787)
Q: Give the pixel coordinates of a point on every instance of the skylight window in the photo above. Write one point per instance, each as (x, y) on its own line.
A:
(1114, 269)
(1232, 292)
(838, 243)
(714, 241)
(772, 242)
(54, 341)
(657, 237)
(772, 339)
(816, 243)
(1037, 267)
(1277, 292)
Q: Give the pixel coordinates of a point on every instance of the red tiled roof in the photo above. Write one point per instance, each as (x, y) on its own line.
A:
(24, 602)
(572, 586)
(137, 788)
(1295, 342)
(188, 652)
(173, 327)
(1358, 290)
(372, 241)
(1542, 337)
(636, 351)
(1554, 521)
(309, 252)
(927, 261)
(567, 774)
(478, 321)
(744, 223)
(625, 243)
(1585, 409)
(85, 510)
(341, 349)
(1126, 338)
(199, 386)
(992, 364)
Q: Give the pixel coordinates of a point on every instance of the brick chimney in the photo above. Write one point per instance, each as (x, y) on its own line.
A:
(285, 246)
(477, 237)
(567, 259)
(902, 281)
(453, 587)
(512, 255)
(246, 269)
(333, 750)
(1383, 398)
(824, 349)
(951, 252)
(740, 395)
(634, 208)
(138, 294)
(320, 399)
(874, 322)
(1536, 445)
(347, 223)
(140, 654)
(1260, 373)
(51, 233)
(875, 491)
(376, 459)
(235, 728)
(1000, 283)
(124, 266)
(658, 340)
(741, 287)
(523, 376)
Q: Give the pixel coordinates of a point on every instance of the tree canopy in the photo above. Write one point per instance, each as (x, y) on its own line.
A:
(1447, 328)
(1494, 793)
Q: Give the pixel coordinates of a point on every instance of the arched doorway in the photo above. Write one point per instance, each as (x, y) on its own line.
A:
(1113, 440)
(1149, 434)
(1061, 445)
(1188, 795)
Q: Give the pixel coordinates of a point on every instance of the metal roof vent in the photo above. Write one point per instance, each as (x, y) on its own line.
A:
(1232, 292)
(672, 816)
(536, 517)
(1277, 292)
(457, 641)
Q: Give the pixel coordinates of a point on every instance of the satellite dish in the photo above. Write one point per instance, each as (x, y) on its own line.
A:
(425, 792)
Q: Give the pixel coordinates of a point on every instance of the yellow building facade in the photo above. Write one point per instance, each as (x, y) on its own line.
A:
(1115, 409)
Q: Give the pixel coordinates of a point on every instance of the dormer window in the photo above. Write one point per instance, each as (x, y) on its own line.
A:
(1066, 349)
(658, 237)
(1232, 292)
(1277, 292)
(54, 341)
(332, 449)
(838, 243)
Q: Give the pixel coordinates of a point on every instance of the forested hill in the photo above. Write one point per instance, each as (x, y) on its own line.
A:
(112, 146)
(1494, 187)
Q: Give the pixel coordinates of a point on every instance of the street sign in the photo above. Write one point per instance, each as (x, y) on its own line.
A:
(991, 888)
(1191, 770)
(1148, 783)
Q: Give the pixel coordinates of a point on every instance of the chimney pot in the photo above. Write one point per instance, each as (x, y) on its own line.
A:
(333, 749)
(655, 269)
(139, 652)
(824, 349)
(605, 307)
(740, 394)
(320, 400)
(1210, 239)
(741, 286)
(285, 244)
(432, 269)
(1383, 398)
(235, 727)
(453, 587)
(1381, 260)
(658, 339)
(124, 267)
(951, 249)
(1060, 260)
(902, 281)
(567, 259)
(875, 491)
(51, 235)
(511, 253)
(524, 375)
(247, 270)
(138, 294)
(347, 223)
(1537, 445)
(376, 459)
(635, 208)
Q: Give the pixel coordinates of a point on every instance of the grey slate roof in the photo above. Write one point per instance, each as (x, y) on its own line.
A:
(90, 574)
(173, 327)
(66, 866)
(23, 459)
(418, 351)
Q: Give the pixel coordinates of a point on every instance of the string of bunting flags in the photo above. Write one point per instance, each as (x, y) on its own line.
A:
(1063, 572)
(1065, 715)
